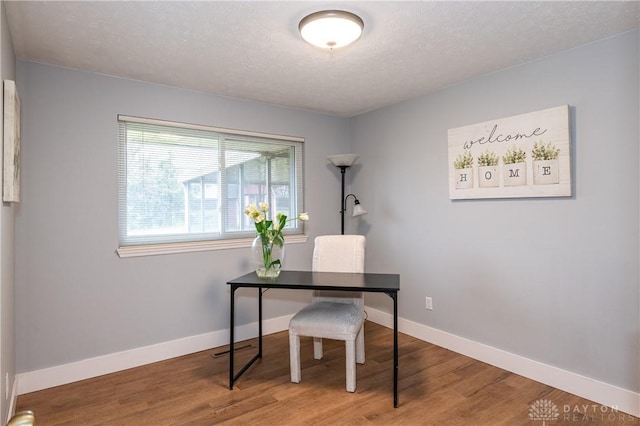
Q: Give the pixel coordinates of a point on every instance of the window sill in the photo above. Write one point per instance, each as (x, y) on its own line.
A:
(173, 248)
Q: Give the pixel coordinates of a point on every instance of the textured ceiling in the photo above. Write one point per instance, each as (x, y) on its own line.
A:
(252, 50)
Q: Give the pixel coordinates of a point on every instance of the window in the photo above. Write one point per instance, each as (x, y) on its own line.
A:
(186, 186)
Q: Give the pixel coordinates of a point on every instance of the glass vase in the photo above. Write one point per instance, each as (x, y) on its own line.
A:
(267, 257)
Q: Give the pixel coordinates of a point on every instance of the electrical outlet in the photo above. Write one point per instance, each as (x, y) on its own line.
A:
(428, 303)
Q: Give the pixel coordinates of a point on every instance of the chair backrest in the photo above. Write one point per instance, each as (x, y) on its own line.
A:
(339, 253)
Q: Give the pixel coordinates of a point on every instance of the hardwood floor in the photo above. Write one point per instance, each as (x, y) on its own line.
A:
(436, 387)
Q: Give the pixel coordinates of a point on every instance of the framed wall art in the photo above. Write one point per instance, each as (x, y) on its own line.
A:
(526, 155)
(11, 140)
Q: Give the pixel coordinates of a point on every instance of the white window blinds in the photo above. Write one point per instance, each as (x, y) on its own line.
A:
(188, 183)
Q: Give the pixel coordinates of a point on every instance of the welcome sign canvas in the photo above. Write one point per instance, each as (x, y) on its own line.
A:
(525, 155)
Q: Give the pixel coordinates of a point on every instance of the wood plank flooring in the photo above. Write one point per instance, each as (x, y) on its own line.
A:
(436, 387)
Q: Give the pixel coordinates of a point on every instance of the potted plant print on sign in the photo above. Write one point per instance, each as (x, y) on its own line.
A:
(545, 164)
(464, 170)
(488, 169)
(514, 172)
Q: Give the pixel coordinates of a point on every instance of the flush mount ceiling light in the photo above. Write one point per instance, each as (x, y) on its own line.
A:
(331, 29)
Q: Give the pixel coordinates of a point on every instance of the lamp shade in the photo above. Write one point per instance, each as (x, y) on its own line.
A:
(331, 29)
(358, 210)
(343, 160)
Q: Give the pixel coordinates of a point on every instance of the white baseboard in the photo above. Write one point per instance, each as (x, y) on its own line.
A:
(602, 393)
(93, 367)
(14, 400)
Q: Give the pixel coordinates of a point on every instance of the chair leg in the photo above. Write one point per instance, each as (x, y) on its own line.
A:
(350, 355)
(360, 346)
(317, 348)
(294, 357)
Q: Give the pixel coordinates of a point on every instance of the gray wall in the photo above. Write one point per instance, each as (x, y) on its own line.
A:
(553, 280)
(7, 240)
(76, 298)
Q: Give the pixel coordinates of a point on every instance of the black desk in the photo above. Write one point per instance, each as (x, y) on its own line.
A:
(306, 280)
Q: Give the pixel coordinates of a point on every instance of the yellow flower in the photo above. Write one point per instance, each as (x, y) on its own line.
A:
(257, 216)
(250, 210)
(303, 216)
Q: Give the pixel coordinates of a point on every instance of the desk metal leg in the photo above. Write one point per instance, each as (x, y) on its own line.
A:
(395, 349)
(394, 295)
(232, 377)
(259, 322)
(231, 328)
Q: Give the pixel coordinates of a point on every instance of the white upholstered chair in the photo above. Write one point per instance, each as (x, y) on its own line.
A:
(332, 315)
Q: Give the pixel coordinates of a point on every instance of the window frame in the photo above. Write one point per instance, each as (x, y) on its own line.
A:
(227, 239)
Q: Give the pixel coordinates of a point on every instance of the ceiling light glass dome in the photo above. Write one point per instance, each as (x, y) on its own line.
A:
(331, 29)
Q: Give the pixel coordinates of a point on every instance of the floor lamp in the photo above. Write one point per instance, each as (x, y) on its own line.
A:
(343, 162)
